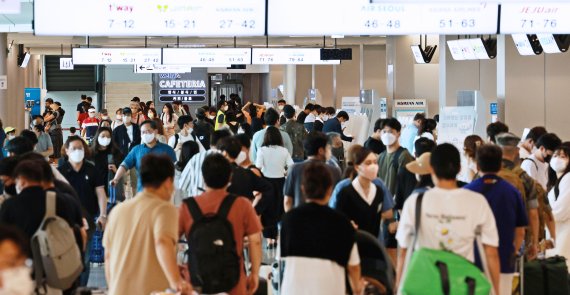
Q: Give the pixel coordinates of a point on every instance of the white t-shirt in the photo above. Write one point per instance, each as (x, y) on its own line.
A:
(273, 161)
(449, 219)
(182, 139)
(316, 276)
(130, 133)
(536, 169)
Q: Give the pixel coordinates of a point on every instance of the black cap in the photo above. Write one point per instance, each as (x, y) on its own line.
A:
(127, 111)
(200, 113)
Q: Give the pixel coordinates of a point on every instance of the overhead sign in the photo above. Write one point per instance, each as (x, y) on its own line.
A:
(116, 56)
(206, 56)
(10, 6)
(380, 17)
(535, 17)
(184, 87)
(284, 56)
(65, 63)
(154, 68)
(149, 18)
(410, 103)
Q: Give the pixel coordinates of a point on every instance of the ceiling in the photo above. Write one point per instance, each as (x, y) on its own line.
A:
(19, 29)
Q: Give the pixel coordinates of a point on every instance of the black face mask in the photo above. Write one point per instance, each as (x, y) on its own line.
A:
(547, 158)
(11, 189)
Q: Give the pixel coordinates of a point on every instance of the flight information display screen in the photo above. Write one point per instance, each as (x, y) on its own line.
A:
(149, 18)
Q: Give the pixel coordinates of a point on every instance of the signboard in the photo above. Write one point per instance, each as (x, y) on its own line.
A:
(380, 17)
(535, 17)
(206, 56)
(157, 68)
(32, 100)
(291, 56)
(185, 87)
(116, 56)
(3, 82)
(351, 105)
(149, 18)
(456, 123)
(494, 108)
(66, 63)
(410, 104)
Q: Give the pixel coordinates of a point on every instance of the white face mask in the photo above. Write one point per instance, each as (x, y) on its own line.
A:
(104, 117)
(150, 115)
(11, 136)
(104, 141)
(388, 139)
(224, 108)
(240, 131)
(241, 157)
(369, 172)
(76, 156)
(119, 117)
(91, 115)
(16, 281)
(280, 108)
(148, 138)
(212, 117)
(558, 164)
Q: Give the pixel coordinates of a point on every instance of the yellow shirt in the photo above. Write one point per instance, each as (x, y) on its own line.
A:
(129, 240)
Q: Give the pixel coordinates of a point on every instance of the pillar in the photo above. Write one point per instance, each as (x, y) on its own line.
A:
(6, 108)
(290, 83)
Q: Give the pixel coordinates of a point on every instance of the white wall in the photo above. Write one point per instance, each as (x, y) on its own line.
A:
(69, 101)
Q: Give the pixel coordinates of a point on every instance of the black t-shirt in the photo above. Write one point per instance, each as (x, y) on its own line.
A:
(293, 181)
(102, 166)
(316, 231)
(245, 182)
(80, 107)
(84, 181)
(301, 117)
(367, 217)
(374, 145)
(27, 210)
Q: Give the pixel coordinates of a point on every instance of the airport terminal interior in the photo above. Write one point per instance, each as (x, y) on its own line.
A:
(284, 147)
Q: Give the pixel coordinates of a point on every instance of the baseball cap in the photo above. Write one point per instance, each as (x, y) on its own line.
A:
(9, 129)
(421, 165)
(507, 139)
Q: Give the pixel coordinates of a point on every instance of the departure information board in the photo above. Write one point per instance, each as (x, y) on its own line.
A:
(289, 56)
(149, 18)
(535, 17)
(206, 56)
(380, 17)
(116, 56)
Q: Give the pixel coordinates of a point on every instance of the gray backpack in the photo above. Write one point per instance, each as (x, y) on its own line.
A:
(57, 259)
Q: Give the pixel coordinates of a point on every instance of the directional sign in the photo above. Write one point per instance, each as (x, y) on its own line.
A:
(66, 63)
(209, 56)
(154, 68)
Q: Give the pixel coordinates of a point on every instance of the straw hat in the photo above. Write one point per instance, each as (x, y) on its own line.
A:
(421, 165)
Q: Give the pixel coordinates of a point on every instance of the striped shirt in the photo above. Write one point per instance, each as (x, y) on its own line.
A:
(191, 181)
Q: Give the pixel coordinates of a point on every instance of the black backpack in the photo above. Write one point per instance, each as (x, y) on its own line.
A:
(213, 260)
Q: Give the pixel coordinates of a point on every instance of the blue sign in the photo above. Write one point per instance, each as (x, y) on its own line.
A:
(32, 98)
(494, 108)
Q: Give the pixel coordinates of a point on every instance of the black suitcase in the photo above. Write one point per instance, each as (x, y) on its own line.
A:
(546, 276)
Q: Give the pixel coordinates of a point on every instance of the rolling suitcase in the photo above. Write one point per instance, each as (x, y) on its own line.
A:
(97, 252)
(546, 276)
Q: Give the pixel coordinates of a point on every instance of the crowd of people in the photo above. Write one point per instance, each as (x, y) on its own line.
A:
(277, 178)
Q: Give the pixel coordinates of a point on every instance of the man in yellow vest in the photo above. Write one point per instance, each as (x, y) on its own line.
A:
(221, 116)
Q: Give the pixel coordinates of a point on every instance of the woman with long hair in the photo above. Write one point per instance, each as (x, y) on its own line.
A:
(363, 201)
(188, 150)
(161, 133)
(168, 118)
(107, 157)
(559, 198)
(469, 167)
(151, 114)
(274, 160)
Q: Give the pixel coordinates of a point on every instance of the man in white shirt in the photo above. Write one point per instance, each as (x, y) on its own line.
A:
(536, 166)
(526, 146)
(450, 216)
(186, 125)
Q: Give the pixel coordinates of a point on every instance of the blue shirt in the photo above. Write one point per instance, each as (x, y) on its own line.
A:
(509, 210)
(387, 203)
(408, 137)
(134, 158)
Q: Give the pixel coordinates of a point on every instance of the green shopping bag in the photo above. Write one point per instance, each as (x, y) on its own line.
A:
(435, 272)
